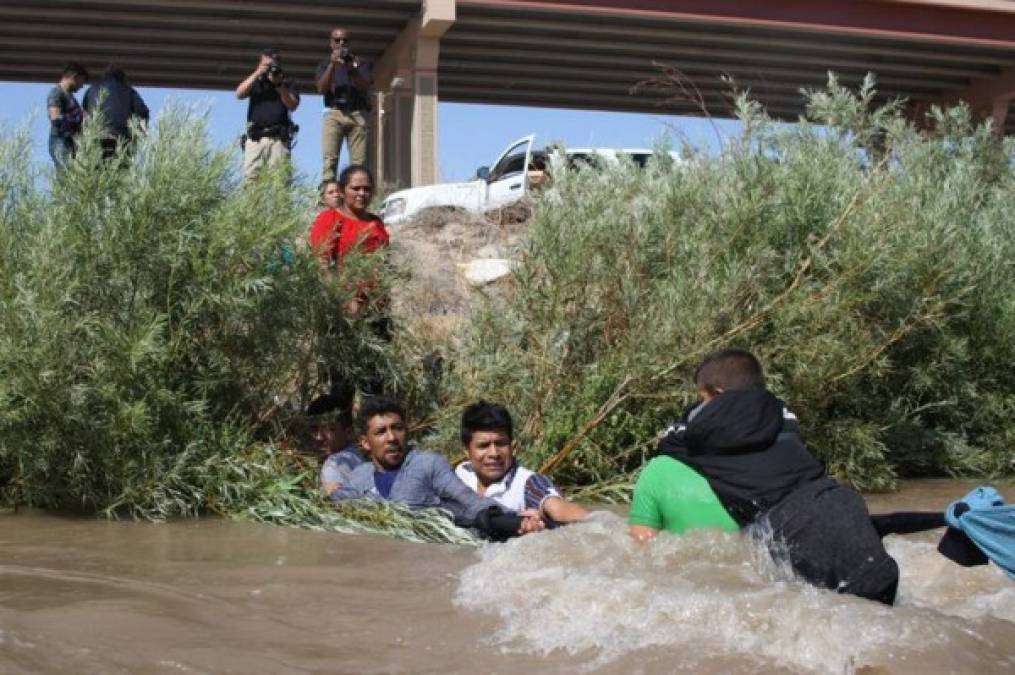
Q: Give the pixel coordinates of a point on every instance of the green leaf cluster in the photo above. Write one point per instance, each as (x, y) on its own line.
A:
(867, 262)
(157, 319)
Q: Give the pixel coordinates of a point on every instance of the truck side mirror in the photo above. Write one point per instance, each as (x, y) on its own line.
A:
(483, 173)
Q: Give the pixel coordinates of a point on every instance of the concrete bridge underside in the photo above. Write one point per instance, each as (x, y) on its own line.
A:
(589, 54)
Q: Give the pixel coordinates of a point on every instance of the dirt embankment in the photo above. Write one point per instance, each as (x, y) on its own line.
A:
(436, 253)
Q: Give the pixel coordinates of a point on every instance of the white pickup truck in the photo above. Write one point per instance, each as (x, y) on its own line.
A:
(517, 170)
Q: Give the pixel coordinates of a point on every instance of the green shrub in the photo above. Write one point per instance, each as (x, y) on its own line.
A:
(156, 319)
(869, 265)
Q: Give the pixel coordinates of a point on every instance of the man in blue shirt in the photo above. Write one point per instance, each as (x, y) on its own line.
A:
(418, 478)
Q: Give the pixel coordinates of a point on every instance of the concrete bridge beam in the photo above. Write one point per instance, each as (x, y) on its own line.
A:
(405, 114)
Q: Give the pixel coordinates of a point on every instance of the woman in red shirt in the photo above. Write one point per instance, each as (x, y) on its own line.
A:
(346, 225)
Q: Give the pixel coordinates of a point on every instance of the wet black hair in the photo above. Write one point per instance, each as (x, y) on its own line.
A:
(350, 171)
(372, 406)
(330, 403)
(74, 68)
(484, 416)
(730, 370)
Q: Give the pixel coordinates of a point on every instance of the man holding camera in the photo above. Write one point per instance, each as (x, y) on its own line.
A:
(344, 80)
(270, 130)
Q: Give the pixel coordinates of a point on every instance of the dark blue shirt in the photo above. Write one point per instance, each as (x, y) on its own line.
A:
(119, 102)
(383, 480)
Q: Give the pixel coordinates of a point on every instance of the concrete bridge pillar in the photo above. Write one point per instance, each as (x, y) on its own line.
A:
(405, 110)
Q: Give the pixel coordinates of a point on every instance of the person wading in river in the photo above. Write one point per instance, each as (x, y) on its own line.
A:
(747, 444)
(330, 436)
(418, 478)
(487, 433)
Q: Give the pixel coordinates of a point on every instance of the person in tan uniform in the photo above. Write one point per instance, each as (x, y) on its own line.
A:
(344, 79)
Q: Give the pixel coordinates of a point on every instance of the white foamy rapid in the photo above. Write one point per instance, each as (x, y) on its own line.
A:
(704, 597)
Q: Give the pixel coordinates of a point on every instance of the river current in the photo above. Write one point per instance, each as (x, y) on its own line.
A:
(210, 596)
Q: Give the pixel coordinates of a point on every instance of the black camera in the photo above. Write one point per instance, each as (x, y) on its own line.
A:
(346, 55)
(275, 70)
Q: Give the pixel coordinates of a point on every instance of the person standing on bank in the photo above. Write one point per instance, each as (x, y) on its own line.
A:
(345, 225)
(270, 130)
(344, 80)
(65, 114)
(118, 103)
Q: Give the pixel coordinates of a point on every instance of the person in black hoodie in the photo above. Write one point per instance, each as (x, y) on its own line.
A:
(748, 446)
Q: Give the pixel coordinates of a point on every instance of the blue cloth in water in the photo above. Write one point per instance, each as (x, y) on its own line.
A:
(989, 522)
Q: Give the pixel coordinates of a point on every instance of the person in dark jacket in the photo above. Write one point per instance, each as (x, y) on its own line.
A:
(118, 103)
(748, 446)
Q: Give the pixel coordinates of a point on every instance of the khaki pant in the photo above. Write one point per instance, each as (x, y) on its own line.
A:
(265, 152)
(337, 126)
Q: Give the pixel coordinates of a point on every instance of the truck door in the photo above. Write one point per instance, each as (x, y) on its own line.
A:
(507, 181)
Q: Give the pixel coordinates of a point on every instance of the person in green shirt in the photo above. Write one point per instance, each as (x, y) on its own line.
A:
(671, 496)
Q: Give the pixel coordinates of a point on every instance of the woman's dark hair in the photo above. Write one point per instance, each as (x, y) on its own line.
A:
(730, 370)
(372, 406)
(483, 416)
(350, 171)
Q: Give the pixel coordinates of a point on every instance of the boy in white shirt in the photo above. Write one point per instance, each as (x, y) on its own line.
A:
(491, 471)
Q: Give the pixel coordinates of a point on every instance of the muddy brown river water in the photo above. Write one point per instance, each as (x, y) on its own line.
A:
(209, 596)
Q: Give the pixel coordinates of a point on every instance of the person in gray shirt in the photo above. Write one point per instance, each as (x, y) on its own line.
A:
(330, 436)
(418, 478)
(65, 114)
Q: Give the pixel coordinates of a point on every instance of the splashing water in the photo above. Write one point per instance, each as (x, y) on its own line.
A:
(592, 592)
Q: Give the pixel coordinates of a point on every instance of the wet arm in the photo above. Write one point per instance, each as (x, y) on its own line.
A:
(560, 510)
(645, 519)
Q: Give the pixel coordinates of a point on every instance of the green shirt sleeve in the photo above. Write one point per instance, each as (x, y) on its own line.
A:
(672, 496)
(645, 506)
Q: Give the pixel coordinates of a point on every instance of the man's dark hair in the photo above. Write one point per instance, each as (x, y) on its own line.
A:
(350, 171)
(74, 68)
(730, 370)
(330, 403)
(372, 406)
(483, 416)
(115, 72)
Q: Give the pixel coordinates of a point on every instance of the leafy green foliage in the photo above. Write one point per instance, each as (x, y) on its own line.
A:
(159, 323)
(868, 264)
(155, 320)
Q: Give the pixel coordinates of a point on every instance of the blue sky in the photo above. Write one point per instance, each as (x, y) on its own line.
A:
(469, 135)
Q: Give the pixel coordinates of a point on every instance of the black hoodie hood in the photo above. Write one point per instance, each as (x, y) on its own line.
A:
(735, 422)
(748, 447)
